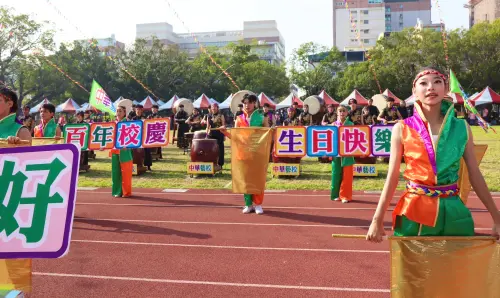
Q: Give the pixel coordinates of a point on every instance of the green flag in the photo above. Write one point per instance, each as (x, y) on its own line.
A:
(100, 100)
(454, 84)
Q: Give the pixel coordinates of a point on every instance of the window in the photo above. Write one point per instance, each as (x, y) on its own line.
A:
(365, 22)
(364, 11)
(366, 31)
(366, 40)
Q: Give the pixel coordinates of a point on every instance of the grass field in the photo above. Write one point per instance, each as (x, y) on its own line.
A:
(170, 172)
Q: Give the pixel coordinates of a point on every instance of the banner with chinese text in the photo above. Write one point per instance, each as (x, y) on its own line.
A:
(100, 100)
(250, 148)
(148, 133)
(439, 267)
(37, 200)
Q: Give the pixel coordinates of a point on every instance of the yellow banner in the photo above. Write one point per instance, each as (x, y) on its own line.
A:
(15, 274)
(250, 147)
(46, 141)
(462, 267)
(463, 174)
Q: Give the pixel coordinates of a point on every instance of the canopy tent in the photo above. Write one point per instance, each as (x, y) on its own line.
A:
(135, 102)
(264, 99)
(328, 99)
(169, 104)
(86, 107)
(356, 95)
(486, 96)
(36, 108)
(287, 102)
(148, 103)
(226, 104)
(457, 98)
(160, 103)
(69, 106)
(389, 93)
(203, 102)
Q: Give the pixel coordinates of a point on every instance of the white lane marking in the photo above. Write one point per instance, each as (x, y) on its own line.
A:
(211, 283)
(212, 206)
(222, 223)
(174, 190)
(231, 247)
(86, 188)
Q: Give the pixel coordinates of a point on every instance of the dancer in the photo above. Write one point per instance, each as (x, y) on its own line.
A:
(121, 165)
(47, 128)
(342, 169)
(10, 129)
(252, 117)
(433, 141)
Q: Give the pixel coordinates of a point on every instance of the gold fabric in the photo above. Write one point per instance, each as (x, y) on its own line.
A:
(250, 147)
(463, 174)
(15, 274)
(46, 141)
(443, 267)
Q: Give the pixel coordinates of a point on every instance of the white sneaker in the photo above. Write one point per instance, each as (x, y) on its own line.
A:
(345, 201)
(336, 199)
(247, 209)
(258, 209)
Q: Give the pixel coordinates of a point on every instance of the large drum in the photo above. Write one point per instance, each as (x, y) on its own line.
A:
(315, 103)
(204, 150)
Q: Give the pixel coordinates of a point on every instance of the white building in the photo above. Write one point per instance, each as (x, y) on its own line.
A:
(374, 17)
(270, 45)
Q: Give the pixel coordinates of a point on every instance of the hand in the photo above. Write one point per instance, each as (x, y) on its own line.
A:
(376, 232)
(13, 140)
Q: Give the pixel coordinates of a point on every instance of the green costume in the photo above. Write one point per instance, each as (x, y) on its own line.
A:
(121, 172)
(9, 127)
(49, 131)
(338, 164)
(431, 205)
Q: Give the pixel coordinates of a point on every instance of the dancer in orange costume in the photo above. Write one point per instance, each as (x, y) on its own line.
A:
(121, 165)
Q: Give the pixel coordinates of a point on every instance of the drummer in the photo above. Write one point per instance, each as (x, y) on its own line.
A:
(182, 127)
(354, 113)
(389, 114)
(194, 121)
(305, 118)
(215, 119)
(330, 117)
(292, 119)
(154, 115)
(270, 115)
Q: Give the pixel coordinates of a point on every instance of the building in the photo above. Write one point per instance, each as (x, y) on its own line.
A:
(108, 46)
(269, 45)
(374, 17)
(483, 11)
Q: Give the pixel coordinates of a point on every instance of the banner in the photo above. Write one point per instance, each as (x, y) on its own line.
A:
(15, 275)
(333, 141)
(37, 200)
(439, 267)
(100, 100)
(250, 147)
(150, 133)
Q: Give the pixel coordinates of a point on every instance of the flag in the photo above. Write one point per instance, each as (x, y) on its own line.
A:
(444, 267)
(251, 147)
(100, 100)
(15, 274)
(454, 84)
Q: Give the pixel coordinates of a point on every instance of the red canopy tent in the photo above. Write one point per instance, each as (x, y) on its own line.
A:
(356, 95)
(485, 97)
(264, 99)
(69, 106)
(148, 103)
(328, 99)
(203, 102)
(388, 93)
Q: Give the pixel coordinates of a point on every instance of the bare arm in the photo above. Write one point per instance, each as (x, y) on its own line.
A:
(58, 132)
(265, 122)
(477, 179)
(392, 175)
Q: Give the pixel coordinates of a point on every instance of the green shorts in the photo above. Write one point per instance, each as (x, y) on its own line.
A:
(454, 219)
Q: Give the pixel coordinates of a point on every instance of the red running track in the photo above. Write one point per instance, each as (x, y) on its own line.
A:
(199, 244)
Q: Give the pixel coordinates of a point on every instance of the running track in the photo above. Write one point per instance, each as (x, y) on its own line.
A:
(197, 243)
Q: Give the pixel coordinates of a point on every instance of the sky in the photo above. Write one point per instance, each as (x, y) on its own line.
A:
(299, 21)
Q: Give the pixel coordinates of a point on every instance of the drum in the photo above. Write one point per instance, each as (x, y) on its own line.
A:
(200, 134)
(315, 103)
(205, 150)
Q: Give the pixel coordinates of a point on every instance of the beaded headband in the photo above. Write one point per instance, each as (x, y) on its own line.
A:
(428, 72)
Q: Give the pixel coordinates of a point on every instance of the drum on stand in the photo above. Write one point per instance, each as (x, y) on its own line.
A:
(315, 104)
(205, 150)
